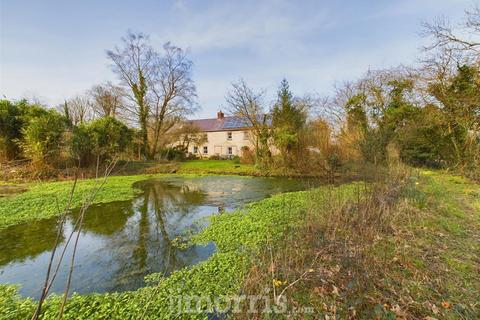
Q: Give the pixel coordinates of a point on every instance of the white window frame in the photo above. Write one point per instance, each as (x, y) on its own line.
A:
(230, 151)
(195, 149)
(205, 149)
(229, 135)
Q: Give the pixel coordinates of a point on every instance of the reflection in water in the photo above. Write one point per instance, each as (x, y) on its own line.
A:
(121, 242)
(18, 243)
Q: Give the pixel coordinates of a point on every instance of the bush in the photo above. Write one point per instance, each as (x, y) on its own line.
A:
(81, 145)
(10, 129)
(42, 137)
(248, 156)
(214, 157)
(14, 118)
(109, 137)
(104, 138)
(192, 156)
(176, 153)
(334, 162)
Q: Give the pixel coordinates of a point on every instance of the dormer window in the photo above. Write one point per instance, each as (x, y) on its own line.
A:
(229, 135)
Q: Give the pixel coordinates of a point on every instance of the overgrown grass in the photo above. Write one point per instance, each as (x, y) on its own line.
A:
(402, 250)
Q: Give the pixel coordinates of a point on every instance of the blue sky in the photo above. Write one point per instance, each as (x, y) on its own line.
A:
(53, 50)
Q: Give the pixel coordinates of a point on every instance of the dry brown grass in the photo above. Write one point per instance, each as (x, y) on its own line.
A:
(335, 262)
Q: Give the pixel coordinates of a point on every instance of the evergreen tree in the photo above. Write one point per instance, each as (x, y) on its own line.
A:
(288, 119)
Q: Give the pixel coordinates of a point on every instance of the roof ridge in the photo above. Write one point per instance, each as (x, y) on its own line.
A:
(213, 118)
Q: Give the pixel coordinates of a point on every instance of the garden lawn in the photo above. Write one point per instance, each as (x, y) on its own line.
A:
(218, 167)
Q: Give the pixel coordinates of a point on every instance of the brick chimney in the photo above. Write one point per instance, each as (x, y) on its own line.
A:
(220, 115)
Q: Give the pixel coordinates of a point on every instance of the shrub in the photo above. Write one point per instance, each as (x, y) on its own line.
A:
(109, 137)
(248, 156)
(42, 137)
(81, 145)
(103, 138)
(10, 129)
(14, 117)
(176, 153)
(192, 156)
(214, 157)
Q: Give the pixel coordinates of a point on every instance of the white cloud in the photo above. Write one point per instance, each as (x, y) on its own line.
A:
(259, 26)
(312, 43)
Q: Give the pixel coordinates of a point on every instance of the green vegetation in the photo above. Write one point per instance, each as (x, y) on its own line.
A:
(426, 115)
(289, 118)
(47, 199)
(102, 138)
(237, 235)
(40, 200)
(396, 246)
(430, 257)
(218, 167)
(42, 137)
(405, 249)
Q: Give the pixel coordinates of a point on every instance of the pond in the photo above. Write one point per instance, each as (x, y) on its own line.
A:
(121, 242)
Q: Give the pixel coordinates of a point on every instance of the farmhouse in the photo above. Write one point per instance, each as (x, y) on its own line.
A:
(226, 136)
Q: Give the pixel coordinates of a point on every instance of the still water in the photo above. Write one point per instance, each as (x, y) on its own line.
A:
(121, 242)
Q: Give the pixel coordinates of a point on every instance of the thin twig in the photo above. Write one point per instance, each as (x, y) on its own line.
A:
(46, 285)
(83, 209)
(277, 300)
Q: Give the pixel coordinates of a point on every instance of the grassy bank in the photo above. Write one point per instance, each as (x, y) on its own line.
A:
(202, 166)
(218, 167)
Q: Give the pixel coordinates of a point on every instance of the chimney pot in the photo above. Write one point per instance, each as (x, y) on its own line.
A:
(220, 115)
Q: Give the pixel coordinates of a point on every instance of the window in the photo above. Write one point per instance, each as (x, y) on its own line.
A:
(195, 149)
(230, 151)
(205, 150)
(229, 135)
(245, 135)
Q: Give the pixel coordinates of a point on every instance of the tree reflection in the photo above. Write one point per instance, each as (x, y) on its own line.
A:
(162, 213)
(106, 219)
(28, 240)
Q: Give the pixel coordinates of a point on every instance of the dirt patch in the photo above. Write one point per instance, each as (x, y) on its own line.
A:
(10, 190)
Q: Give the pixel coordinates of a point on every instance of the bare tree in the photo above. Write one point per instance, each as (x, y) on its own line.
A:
(77, 109)
(107, 99)
(160, 88)
(188, 134)
(134, 64)
(249, 105)
(173, 91)
(461, 41)
(244, 102)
